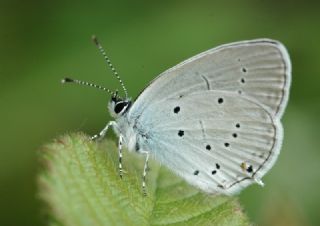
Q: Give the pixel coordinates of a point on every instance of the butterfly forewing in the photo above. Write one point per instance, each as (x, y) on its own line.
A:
(258, 69)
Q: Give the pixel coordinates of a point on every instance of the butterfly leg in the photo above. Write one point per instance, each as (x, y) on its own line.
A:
(145, 174)
(104, 131)
(120, 154)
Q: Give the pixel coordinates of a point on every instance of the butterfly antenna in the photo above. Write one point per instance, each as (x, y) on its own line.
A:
(103, 52)
(70, 80)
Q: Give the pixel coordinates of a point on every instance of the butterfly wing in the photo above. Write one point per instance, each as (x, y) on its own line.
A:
(259, 69)
(214, 118)
(216, 140)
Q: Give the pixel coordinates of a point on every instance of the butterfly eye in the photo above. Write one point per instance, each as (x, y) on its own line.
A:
(120, 106)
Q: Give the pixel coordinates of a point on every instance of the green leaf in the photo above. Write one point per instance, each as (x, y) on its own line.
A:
(80, 184)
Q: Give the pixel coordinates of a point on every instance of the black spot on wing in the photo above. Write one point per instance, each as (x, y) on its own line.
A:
(220, 100)
(244, 70)
(176, 109)
(181, 133)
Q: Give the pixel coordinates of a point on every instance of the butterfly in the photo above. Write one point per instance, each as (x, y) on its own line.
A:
(213, 119)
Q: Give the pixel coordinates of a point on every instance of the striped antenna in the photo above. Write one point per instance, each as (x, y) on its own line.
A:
(70, 80)
(96, 42)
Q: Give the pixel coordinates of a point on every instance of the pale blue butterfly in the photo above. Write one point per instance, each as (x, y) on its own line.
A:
(213, 119)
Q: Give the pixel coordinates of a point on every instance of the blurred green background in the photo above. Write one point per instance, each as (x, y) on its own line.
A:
(43, 41)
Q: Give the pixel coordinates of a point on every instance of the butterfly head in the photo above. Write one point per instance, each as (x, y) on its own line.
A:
(118, 106)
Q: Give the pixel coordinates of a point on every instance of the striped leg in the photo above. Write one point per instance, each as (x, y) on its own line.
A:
(120, 155)
(104, 131)
(145, 174)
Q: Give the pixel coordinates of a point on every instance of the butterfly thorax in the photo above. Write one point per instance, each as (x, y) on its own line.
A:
(118, 109)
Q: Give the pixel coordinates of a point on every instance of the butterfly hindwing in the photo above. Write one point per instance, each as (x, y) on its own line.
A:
(216, 140)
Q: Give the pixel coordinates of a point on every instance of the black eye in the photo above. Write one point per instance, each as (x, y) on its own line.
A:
(119, 107)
